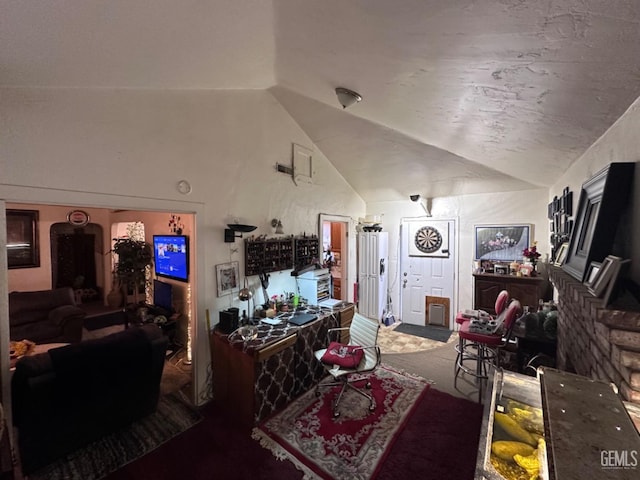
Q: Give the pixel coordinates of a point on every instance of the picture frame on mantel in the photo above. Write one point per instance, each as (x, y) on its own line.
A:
(602, 200)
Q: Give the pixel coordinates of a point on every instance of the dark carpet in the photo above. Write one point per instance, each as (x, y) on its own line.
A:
(441, 334)
(105, 320)
(440, 441)
(98, 459)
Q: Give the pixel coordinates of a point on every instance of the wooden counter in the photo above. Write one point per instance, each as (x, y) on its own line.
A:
(278, 366)
(487, 286)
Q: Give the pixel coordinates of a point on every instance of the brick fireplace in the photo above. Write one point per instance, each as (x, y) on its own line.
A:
(596, 342)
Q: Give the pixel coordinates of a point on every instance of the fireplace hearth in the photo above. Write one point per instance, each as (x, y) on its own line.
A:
(600, 343)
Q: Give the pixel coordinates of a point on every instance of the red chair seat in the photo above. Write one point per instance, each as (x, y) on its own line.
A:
(488, 340)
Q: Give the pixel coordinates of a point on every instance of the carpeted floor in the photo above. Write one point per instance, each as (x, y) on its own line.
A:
(440, 440)
(352, 445)
(98, 459)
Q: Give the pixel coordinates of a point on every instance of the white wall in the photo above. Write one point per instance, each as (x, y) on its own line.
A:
(128, 149)
(529, 206)
(621, 143)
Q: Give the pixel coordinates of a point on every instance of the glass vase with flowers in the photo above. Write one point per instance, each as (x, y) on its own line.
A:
(531, 255)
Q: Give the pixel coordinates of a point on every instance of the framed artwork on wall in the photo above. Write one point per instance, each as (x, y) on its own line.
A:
(602, 200)
(227, 278)
(23, 249)
(501, 242)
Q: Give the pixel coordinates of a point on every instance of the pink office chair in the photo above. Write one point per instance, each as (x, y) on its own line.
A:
(485, 348)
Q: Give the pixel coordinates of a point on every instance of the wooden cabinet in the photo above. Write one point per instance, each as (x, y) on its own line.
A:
(337, 288)
(528, 290)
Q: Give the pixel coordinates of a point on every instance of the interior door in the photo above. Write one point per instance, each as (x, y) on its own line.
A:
(427, 266)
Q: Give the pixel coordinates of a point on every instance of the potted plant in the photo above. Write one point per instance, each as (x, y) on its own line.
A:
(134, 256)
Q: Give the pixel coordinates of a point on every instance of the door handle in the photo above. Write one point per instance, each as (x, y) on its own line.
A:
(404, 283)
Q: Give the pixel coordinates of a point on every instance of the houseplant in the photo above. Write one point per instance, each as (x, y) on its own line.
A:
(134, 256)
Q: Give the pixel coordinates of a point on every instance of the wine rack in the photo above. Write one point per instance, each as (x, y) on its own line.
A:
(269, 255)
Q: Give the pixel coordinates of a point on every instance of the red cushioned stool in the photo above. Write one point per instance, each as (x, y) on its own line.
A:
(485, 348)
(500, 306)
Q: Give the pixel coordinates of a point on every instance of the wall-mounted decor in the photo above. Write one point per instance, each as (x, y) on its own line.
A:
(228, 278)
(501, 242)
(559, 212)
(78, 218)
(602, 200)
(23, 250)
(429, 239)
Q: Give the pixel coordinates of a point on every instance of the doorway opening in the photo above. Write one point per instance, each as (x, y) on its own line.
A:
(334, 232)
(428, 266)
(76, 260)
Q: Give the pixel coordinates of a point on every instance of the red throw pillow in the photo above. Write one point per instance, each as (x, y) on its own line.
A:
(347, 356)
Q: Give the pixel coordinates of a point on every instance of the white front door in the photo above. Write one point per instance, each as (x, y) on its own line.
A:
(427, 267)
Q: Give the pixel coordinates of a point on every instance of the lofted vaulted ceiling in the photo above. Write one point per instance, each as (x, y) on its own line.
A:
(459, 96)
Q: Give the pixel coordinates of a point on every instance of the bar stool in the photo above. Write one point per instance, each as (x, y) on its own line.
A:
(502, 300)
(485, 348)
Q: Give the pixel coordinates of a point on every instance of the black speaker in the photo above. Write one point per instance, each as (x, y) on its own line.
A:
(228, 320)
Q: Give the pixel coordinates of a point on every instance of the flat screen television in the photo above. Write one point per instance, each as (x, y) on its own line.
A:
(171, 256)
(163, 295)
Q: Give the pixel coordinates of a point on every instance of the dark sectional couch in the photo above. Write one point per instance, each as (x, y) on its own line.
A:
(72, 395)
(45, 316)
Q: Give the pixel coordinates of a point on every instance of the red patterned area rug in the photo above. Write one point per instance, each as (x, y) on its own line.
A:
(353, 445)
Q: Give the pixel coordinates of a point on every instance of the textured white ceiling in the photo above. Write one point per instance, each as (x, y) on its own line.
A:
(459, 96)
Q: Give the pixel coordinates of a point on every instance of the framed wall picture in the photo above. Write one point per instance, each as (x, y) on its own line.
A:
(602, 200)
(227, 278)
(23, 249)
(501, 242)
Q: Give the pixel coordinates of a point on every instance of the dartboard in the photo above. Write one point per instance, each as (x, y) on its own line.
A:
(428, 240)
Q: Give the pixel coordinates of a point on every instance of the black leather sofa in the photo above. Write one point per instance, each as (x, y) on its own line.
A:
(73, 395)
(45, 316)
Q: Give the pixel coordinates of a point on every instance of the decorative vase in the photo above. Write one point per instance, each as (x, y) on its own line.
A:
(534, 265)
(115, 297)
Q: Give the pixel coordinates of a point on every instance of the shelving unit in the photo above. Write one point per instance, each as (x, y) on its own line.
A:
(314, 286)
(269, 255)
(275, 254)
(306, 250)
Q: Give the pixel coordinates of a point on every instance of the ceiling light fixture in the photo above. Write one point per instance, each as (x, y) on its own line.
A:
(347, 97)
